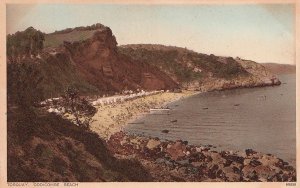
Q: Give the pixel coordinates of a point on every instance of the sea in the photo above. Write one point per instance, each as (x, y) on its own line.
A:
(263, 119)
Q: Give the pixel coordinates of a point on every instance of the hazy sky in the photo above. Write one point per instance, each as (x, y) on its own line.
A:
(264, 33)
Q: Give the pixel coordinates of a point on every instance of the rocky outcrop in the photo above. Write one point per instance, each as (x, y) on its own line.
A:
(179, 161)
(98, 61)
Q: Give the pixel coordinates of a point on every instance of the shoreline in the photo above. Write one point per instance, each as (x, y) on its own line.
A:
(169, 161)
(112, 118)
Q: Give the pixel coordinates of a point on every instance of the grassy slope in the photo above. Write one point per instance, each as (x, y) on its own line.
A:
(54, 40)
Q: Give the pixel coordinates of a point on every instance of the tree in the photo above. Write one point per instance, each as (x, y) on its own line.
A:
(82, 110)
(24, 44)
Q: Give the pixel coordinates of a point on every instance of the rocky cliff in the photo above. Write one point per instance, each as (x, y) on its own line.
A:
(198, 71)
(98, 61)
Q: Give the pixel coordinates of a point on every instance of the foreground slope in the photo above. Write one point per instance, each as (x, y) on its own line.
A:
(45, 147)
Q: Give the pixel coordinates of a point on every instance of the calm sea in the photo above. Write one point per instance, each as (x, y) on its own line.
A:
(263, 119)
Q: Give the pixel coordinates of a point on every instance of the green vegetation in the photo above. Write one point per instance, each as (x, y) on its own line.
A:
(55, 39)
(78, 34)
(23, 82)
(24, 44)
(45, 147)
(167, 61)
(184, 64)
(82, 110)
(54, 75)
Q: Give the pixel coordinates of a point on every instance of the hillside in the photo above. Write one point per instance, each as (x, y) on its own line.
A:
(85, 57)
(198, 71)
(280, 68)
(43, 147)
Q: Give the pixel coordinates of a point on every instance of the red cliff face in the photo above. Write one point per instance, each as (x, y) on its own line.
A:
(97, 60)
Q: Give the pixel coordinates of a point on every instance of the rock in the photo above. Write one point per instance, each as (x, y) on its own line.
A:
(234, 158)
(153, 144)
(237, 167)
(247, 170)
(262, 179)
(176, 150)
(255, 163)
(187, 153)
(137, 147)
(199, 149)
(230, 174)
(135, 141)
(268, 160)
(250, 152)
(241, 154)
(174, 121)
(212, 172)
(217, 158)
(285, 163)
(264, 172)
(246, 162)
(227, 163)
(165, 131)
(253, 176)
(289, 168)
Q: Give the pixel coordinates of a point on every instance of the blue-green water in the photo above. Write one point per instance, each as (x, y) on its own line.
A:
(263, 119)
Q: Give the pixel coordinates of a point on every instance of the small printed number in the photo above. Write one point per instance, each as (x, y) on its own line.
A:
(290, 184)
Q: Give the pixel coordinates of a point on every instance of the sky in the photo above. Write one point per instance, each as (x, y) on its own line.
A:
(259, 32)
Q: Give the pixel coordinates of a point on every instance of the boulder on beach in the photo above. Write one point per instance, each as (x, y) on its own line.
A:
(165, 131)
(177, 150)
(153, 144)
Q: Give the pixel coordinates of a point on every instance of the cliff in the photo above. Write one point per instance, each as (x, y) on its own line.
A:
(196, 71)
(98, 61)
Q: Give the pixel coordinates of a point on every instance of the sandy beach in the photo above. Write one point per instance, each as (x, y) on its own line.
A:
(111, 118)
